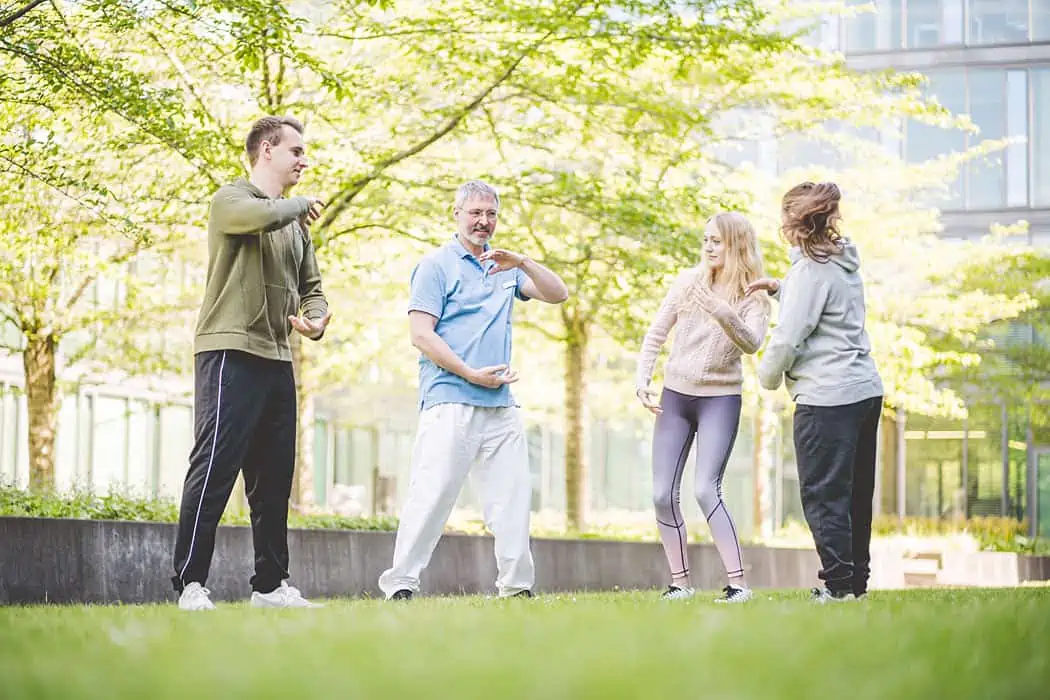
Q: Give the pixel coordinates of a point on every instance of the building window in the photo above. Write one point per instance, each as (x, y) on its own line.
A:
(987, 110)
(176, 427)
(878, 30)
(984, 460)
(924, 23)
(952, 22)
(1040, 137)
(830, 31)
(109, 448)
(933, 467)
(1017, 462)
(1017, 129)
(862, 29)
(66, 444)
(321, 466)
(343, 469)
(139, 447)
(924, 142)
(998, 22)
(1040, 20)
(997, 101)
(740, 133)
(933, 23)
(890, 24)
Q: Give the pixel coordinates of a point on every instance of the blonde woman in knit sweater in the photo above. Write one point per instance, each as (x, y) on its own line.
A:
(715, 324)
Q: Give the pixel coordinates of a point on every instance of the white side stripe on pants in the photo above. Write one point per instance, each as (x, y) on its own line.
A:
(207, 474)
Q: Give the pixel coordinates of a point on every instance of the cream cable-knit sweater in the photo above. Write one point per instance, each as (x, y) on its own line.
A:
(710, 336)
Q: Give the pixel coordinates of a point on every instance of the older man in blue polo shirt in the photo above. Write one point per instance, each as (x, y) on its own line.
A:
(460, 320)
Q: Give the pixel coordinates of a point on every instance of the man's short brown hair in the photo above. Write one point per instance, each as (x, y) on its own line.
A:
(268, 129)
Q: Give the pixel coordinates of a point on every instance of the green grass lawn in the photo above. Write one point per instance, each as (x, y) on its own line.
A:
(988, 644)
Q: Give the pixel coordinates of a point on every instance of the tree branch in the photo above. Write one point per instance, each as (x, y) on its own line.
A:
(278, 81)
(105, 101)
(94, 209)
(342, 200)
(386, 227)
(491, 121)
(443, 31)
(11, 318)
(191, 86)
(267, 99)
(537, 241)
(13, 17)
(531, 325)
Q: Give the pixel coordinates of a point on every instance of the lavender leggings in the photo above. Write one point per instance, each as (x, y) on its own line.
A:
(714, 421)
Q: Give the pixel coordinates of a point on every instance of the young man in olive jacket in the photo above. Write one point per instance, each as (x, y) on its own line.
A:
(262, 283)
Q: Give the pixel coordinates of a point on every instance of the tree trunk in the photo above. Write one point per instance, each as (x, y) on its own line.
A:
(575, 442)
(303, 486)
(886, 477)
(757, 468)
(763, 458)
(42, 401)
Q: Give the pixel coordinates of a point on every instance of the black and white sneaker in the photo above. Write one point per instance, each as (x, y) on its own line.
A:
(403, 594)
(823, 596)
(735, 594)
(523, 594)
(678, 593)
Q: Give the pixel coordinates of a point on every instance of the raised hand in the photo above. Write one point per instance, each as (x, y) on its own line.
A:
(314, 213)
(493, 377)
(308, 328)
(707, 300)
(767, 284)
(504, 259)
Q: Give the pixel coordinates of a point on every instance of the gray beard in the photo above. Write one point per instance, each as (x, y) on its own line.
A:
(475, 237)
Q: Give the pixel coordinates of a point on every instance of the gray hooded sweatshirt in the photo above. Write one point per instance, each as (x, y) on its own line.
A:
(819, 345)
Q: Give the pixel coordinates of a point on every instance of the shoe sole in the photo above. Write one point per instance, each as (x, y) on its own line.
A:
(272, 606)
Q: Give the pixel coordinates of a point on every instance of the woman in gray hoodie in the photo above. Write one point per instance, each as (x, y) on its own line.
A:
(821, 350)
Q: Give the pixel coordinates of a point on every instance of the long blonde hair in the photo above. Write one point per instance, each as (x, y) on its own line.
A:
(743, 259)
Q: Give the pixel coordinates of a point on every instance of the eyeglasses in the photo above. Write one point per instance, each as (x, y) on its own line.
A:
(476, 214)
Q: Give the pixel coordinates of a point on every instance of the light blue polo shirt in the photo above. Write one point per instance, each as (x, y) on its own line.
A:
(473, 309)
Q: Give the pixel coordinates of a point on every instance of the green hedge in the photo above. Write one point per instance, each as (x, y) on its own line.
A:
(992, 534)
(88, 506)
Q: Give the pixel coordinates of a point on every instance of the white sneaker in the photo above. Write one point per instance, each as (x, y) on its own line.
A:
(284, 596)
(735, 594)
(195, 597)
(678, 593)
(823, 596)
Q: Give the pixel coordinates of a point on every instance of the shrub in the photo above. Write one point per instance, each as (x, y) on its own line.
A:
(84, 505)
(995, 534)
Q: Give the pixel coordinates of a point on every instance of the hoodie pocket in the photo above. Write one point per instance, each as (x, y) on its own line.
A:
(279, 305)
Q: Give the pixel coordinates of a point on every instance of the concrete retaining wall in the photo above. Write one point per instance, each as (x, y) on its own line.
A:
(86, 561)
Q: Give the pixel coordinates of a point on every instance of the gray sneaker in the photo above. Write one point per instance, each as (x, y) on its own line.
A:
(678, 593)
(735, 594)
(284, 596)
(195, 597)
(823, 596)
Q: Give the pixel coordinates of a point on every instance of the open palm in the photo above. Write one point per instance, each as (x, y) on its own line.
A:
(308, 328)
(504, 259)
